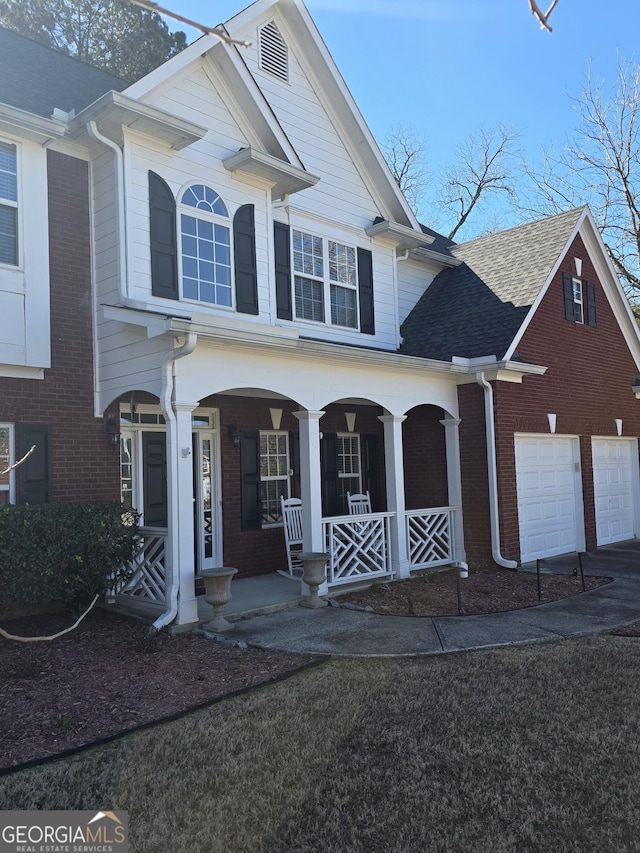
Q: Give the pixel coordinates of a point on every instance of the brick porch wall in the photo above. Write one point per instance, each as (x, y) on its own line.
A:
(425, 458)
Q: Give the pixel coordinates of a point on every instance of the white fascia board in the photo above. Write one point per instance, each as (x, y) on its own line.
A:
(542, 292)
(494, 370)
(610, 282)
(29, 125)
(400, 235)
(231, 70)
(284, 178)
(12, 371)
(154, 321)
(429, 256)
(145, 85)
(113, 111)
(279, 338)
(338, 102)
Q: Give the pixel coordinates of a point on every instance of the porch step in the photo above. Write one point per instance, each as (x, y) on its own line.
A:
(255, 597)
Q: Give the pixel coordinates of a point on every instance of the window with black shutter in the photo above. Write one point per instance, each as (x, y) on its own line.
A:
(244, 250)
(250, 480)
(163, 237)
(33, 477)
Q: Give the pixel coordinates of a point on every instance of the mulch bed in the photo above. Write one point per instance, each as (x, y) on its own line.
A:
(490, 590)
(107, 676)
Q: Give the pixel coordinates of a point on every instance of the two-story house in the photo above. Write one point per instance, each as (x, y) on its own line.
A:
(231, 271)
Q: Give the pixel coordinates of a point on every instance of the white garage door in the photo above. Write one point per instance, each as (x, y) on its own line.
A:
(548, 496)
(613, 475)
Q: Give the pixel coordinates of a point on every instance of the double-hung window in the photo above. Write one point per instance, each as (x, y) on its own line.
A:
(8, 204)
(274, 475)
(578, 308)
(324, 274)
(348, 449)
(206, 246)
(6, 460)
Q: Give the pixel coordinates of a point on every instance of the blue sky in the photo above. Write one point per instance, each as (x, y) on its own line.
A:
(446, 67)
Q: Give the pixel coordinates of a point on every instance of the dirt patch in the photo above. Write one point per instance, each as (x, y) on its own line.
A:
(489, 590)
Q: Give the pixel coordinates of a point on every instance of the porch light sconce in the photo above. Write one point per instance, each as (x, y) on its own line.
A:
(552, 422)
(618, 425)
(234, 434)
(276, 418)
(112, 432)
(350, 418)
(578, 263)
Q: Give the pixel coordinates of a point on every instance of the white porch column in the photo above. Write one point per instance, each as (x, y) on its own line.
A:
(394, 469)
(311, 485)
(454, 484)
(180, 506)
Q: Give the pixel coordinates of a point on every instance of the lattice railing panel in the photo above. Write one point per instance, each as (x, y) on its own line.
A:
(149, 579)
(429, 533)
(358, 548)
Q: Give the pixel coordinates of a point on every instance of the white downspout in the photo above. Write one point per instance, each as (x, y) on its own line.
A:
(492, 474)
(121, 242)
(166, 406)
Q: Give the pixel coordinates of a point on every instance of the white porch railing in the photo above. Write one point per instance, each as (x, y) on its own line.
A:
(430, 536)
(358, 547)
(148, 583)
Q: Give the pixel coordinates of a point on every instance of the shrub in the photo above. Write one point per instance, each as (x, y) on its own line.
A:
(64, 552)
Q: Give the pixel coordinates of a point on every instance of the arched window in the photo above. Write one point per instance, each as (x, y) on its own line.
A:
(205, 237)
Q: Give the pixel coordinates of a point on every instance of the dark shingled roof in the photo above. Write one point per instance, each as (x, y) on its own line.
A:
(37, 79)
(477, 308)
(440, 243)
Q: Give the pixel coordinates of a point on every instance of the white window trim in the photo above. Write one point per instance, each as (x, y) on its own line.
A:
(215, 218)
(17, 205)
(348, 476)
(284, 477)
(327, 283)
(578, 300)
(11, 487)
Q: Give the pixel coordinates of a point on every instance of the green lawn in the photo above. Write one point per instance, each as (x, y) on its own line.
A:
(531, 748)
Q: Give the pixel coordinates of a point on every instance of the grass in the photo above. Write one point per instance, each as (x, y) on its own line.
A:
(532, 748)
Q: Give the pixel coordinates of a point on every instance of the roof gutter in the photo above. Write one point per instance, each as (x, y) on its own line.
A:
(166, 406)
(121, 244)
(492, 473)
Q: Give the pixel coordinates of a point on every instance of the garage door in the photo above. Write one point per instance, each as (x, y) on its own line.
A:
(613, 475)
(548, 496)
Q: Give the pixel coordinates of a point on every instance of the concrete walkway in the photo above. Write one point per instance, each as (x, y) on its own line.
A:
(342, 632)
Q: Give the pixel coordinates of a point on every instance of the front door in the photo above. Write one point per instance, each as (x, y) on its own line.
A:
(144, 476)
(154, 479)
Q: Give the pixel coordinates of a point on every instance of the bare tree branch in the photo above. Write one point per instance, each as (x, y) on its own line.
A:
(405, 153)
(600, 166)
(19, 462)
(151, 6)
(8, 636)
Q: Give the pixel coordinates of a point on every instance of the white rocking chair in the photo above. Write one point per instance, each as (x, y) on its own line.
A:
(292, 524)
(358, 504)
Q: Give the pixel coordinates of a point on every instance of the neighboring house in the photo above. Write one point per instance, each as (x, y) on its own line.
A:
(544, 300)
(228, 310)
(46, 343)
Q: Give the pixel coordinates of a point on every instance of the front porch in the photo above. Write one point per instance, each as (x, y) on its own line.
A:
(360, 551)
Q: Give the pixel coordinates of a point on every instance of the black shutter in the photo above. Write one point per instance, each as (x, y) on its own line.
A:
(569, 304)
(365, 291)
(329, 465)
(283, 271)
(244, 252)
(33, 477)
(371, 483)
(294, 455)
(163, 236)
(592, 313)
(250, 480)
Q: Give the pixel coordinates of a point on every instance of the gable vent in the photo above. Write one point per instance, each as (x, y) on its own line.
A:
(274, 56)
